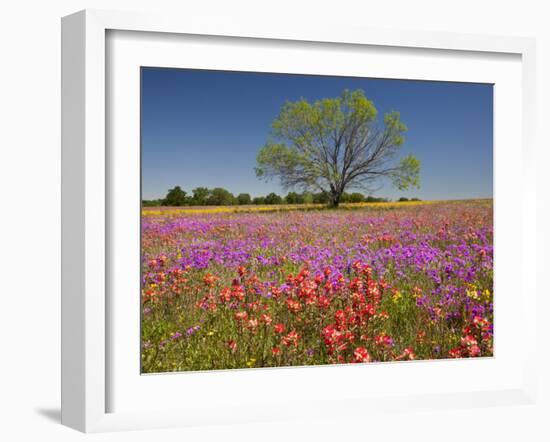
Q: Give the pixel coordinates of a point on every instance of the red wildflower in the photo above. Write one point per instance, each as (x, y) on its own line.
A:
(383, 340)
(367, 310)
(474, 351)
(373, 292)
(323, 302)
(293, 305)
(232, 346)
(357, 265)
(481, 323)
(207, 303)
(361, 354)
(340, 318)
(468, 341)
(455, 352)
(291, 339)
(383, 315)
(357, 299)
(276, 292)
(241, 316)
(266, 319)
(407, 354)
(209, 279)
(252, 324)
(279, 328)
(237, 292)
(225, 295)
(356, 285)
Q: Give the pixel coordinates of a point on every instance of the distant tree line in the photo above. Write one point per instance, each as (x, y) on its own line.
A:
(218, 196)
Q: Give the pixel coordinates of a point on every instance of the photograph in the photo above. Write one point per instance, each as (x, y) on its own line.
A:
(292, 220)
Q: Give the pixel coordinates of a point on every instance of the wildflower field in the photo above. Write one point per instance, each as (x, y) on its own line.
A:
(226, 289)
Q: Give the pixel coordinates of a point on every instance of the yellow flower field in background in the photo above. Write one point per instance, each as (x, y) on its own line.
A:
(189, 210)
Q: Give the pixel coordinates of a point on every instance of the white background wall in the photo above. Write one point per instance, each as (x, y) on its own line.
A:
(30, 213)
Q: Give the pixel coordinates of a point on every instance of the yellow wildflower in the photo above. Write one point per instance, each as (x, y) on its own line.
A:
(397, 296)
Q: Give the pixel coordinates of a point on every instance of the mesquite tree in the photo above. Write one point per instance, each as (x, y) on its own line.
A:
(336, 144)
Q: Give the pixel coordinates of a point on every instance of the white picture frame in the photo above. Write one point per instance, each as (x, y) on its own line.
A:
(87, 206)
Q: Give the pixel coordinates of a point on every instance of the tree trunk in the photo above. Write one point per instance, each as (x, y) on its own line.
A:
(335, 196)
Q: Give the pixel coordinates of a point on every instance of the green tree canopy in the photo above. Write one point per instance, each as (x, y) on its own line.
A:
(244, 198)
(308, 197)
(220, 197)
(335, 144)
(322, 197)
(174, 197)
(356, 197)
(273, 198)
(200, 196)
(294, 198)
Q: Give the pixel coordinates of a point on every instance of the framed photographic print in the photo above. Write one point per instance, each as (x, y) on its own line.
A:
(249, 209)
(325, 274)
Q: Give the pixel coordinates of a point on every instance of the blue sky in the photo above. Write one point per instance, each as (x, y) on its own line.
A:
(204, 128)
